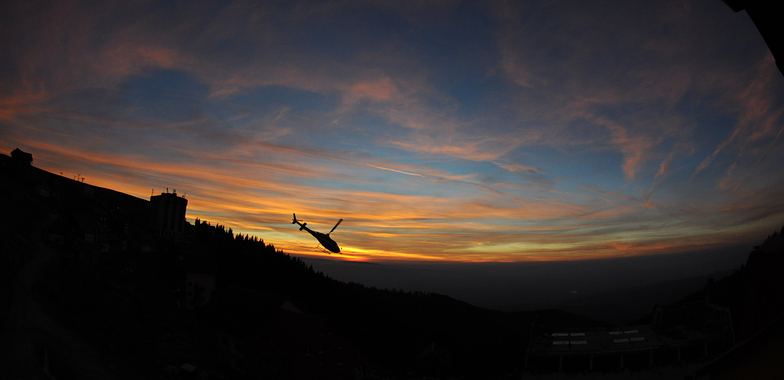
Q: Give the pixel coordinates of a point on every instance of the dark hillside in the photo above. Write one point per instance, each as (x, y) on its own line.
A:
(394, 326)
(755, 292)
(105, 298)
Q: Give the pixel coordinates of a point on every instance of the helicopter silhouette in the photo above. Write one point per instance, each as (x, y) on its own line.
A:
(323, 238)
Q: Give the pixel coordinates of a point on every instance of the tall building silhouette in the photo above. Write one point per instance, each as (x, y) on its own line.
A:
(167, 214)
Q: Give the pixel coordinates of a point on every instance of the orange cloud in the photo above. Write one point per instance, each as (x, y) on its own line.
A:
(635, 149)
(382, 89)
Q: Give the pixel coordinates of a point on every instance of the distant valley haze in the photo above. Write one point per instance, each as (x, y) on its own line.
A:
(615, 290)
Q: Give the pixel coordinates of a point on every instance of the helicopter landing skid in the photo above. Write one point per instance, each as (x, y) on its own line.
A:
(322, 249)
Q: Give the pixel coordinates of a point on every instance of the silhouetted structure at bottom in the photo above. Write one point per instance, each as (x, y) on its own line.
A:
(680, 333)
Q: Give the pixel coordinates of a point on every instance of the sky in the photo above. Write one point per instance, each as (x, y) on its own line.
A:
(442, 131)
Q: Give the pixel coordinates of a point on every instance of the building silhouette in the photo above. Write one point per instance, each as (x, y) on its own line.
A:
(768, 23)
(167, 215)
(680, 333)
(21, 157)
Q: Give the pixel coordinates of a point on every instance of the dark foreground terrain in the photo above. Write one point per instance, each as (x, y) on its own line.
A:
(89, 290)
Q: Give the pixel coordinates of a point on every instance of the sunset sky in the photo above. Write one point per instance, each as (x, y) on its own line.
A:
(438, 130)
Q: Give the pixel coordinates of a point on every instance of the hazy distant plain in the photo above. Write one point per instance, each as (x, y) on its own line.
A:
(609, 289)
